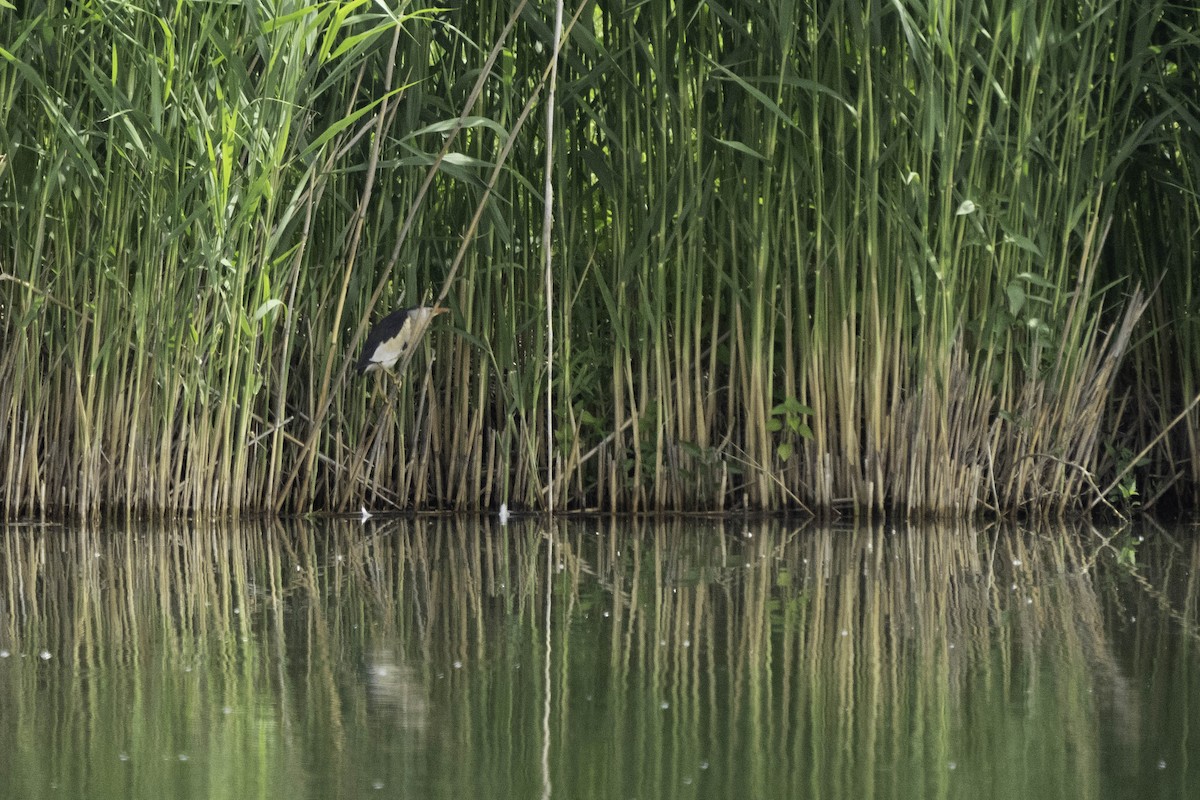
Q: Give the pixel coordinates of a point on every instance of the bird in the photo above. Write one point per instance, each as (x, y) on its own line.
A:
(394, 336)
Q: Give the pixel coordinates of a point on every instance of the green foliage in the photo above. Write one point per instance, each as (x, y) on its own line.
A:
(916, 226)
(1124, 494)
(787, 419)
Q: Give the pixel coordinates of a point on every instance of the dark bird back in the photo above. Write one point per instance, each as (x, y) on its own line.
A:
(394, 336)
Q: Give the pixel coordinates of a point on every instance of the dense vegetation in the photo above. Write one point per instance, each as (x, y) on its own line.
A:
(920, 257)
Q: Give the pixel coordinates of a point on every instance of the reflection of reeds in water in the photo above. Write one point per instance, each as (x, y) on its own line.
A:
(835, 662)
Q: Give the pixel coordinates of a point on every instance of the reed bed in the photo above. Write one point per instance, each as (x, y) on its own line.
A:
(881, 258)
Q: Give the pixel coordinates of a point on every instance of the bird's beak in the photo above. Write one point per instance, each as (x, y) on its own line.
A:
(439, 310)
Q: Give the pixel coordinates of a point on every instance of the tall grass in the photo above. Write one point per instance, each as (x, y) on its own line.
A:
(906, 257)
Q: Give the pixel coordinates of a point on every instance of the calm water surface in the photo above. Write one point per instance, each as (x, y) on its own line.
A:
(452, 659)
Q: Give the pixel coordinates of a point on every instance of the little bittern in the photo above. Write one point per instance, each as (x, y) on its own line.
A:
(394, 336)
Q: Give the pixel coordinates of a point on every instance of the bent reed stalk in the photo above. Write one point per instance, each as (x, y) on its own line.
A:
(884, 259)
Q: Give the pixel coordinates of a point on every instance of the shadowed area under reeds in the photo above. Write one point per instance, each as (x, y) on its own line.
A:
(925, 259)
(595, 659)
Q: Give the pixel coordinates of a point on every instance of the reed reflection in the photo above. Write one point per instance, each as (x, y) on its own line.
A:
(589, 658)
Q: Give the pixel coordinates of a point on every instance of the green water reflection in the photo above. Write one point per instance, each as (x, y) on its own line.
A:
(440, 658)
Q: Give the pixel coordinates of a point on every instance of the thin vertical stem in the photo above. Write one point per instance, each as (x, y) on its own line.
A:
(547, 227)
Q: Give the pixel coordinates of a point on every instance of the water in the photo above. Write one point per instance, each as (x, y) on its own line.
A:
(445, 658)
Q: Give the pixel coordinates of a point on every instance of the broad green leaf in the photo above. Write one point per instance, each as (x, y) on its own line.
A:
(267, 308)
(1023, 242)
(1016, 298)
(1036, 280)
(741, 147)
